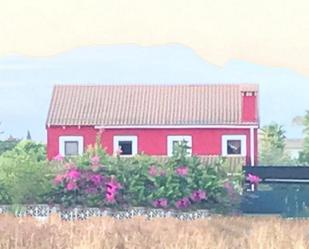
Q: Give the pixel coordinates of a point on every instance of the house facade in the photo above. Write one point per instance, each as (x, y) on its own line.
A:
(215, 120)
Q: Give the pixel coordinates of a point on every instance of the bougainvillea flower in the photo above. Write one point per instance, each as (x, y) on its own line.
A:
(182, 170)
(198, 195)
(162, 172)
(111, 189)
(160, 203)
(58, 158)
(73, 174)
(91, 190)
(253, 179)
(183, 203)
(58, 179)
(153, 170)
(71, 186)
(118, 151)
(95, 160)
(69, 165)
(96, 179)
(110, 197)
(113, 185)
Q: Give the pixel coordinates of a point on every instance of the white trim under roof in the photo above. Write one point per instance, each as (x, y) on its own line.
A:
(251, 126)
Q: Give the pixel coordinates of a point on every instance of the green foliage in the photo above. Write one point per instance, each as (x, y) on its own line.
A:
(24, 176)
(8, 144)
(144, 180)
(304, 155)
(97, 179)
(272, 146)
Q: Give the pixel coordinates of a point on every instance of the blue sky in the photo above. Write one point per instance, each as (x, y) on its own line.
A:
(26, 82)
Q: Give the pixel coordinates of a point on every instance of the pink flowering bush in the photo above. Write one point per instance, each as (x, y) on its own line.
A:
(181, 182)
(253, 179)
(160, 203)
(183, 203)
(112, 187)
(182, 170)
(87, 187)
(96, 179)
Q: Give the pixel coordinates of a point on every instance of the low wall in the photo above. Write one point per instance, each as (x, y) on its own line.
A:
(81, 213)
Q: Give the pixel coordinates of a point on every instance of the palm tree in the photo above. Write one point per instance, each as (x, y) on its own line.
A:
(274, 134)
(272, 146)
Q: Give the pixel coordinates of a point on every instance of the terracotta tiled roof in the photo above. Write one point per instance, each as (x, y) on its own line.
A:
(146, 104)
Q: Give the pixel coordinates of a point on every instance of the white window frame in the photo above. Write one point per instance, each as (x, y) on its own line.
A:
(119, 138)
(171, 139)
(243, 141)
(78, 139)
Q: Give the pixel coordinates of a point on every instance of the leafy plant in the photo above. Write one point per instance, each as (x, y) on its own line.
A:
(24, 176)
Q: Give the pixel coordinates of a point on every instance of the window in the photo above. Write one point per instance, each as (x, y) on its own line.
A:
(234, 145)
(172, 141)
(71, 145)
(127, 144)
(71, 148)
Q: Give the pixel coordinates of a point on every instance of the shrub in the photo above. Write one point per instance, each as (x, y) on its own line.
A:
(181, 182)
(97, 180)
(25, 177)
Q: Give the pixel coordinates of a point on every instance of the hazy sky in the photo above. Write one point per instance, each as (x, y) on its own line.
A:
(44, 42)
(268, 32)
(26, 83)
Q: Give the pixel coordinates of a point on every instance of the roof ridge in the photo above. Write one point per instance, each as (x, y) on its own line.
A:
(154, 84)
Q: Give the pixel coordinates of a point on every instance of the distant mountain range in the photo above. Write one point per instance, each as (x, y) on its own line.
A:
(26, 82)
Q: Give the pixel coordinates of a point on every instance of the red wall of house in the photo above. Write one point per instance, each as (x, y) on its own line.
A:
(151, 141)
(53, 134)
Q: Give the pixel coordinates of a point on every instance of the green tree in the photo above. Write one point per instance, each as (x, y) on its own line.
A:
(272, 146)
(304, 155)
(25, 175)
(8, 144)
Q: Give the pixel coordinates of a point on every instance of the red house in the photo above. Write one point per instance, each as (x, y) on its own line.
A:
(215, 120)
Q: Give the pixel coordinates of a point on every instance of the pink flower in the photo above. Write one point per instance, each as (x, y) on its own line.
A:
(253, 179)
(111, 189)
(58, 179)
(96, 179)
(118, 151)
(91, 190)
(160, 203)
(95, 160)
(58, 158)
(183, 203)
(153, 171)
(110, 197)
(73, 174)
(71, 186)
(69, 165)
(198, 195)
(113, 185)
(182, 170)
(162, 172)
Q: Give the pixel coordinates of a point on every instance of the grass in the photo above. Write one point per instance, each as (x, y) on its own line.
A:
(98, 233)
